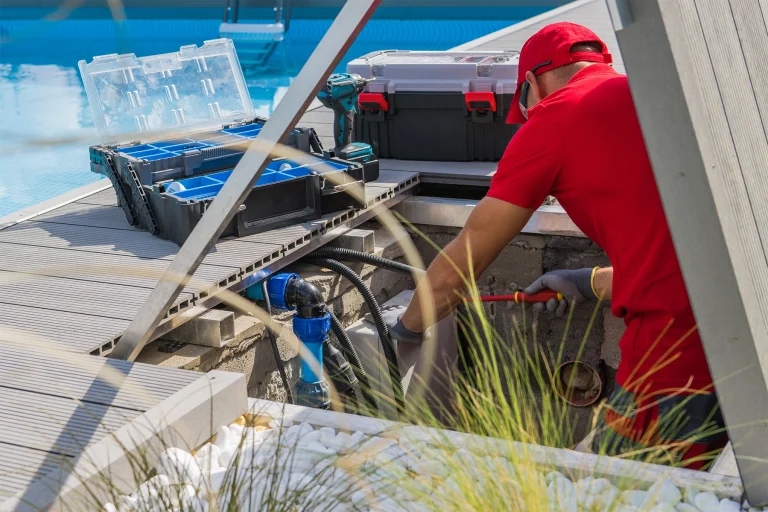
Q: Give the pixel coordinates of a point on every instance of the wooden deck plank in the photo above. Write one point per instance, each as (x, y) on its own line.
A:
(60, 329)
(74, 377)
(69, 426)
(98, 267)
(75, 296)
(103, 198)
(124, 242)
(78, 214)
(20, 465)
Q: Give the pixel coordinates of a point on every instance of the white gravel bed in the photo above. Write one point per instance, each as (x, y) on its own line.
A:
(298, 467)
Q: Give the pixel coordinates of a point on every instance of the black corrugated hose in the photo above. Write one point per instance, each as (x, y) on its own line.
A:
(340, 253)
(373, 306)
(275, 349)
(351, 354)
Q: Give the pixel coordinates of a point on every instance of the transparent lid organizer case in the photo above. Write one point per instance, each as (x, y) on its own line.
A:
(172, 127)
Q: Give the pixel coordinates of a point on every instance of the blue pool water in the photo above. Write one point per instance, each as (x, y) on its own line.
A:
(46, 125)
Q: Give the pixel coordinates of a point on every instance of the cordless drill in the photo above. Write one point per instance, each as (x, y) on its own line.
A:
(340, 94)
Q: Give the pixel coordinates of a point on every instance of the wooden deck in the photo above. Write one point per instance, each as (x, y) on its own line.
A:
(77, 275)
(53, 406)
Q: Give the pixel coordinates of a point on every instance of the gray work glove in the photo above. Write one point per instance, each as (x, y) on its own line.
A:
(575, 285)
(397, 330)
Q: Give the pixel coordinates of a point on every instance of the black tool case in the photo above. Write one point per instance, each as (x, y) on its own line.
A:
(445, 106)
(191, 119)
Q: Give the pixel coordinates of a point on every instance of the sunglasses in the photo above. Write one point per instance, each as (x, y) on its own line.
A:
(525, 87)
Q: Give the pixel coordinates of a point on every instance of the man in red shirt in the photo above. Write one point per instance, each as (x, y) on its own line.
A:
(580, 141)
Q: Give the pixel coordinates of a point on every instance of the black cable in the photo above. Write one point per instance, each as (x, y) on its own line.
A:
(341, 253)
(354, 360)
(381, 326)
(275, 350)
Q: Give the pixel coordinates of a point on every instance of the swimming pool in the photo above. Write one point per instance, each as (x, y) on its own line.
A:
(46, 125)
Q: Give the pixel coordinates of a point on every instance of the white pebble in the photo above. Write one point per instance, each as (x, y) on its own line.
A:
(280, 422)
(108, 507)
(552, 475)
(690, 494)
(375, 445)
(127, 503)
(561, 492)
(299, 481)
(662, 492)
(312, 436)
(215, 480)
(318, 449)
(147, 493)
(179, 466)
(634, 498)
(685, 507)
(237, 430)
(330, 431)
(663, 507)
(610, 498)
(252, 436)
(590, 488)
(305, 428)
(342, 443)
(225, 438)
(433, 468)
(707, 502)
(208, 457)
(359, 437)
(624, 508)
(727, 505)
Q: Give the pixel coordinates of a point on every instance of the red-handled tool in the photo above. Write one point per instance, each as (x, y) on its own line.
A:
(520, 297)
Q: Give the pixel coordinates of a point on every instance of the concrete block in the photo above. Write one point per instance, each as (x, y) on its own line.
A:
(214, 328)
(362, 240)
(613, 330)
(425, 369)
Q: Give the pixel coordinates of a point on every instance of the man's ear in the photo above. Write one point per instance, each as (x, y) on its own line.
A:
(535, 94)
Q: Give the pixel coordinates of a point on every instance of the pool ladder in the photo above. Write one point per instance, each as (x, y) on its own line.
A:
(255, 42)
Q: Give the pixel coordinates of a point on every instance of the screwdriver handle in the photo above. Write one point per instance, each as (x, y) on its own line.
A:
(542, 296)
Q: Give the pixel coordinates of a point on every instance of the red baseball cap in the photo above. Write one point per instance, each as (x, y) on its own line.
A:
(550, 48)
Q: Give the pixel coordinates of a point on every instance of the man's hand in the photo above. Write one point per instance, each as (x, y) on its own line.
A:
(575, 285)
(397, 331)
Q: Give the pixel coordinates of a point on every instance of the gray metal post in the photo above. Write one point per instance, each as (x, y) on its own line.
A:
(697, 73)
(324, 59)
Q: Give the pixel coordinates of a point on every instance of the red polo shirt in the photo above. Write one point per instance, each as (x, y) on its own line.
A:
(584, 146)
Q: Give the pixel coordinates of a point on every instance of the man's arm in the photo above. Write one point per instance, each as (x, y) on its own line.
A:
(491, 226)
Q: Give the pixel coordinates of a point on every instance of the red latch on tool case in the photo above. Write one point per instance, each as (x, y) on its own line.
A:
(480, 101)
(373, 101)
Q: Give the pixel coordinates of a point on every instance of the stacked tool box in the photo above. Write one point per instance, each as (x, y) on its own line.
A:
(174, 126)
(447, 106)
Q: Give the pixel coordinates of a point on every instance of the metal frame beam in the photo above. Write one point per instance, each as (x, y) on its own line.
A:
(697, 77)
(329, 52)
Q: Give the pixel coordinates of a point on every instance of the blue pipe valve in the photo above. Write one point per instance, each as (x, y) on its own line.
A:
(285, 291)
(312, 390)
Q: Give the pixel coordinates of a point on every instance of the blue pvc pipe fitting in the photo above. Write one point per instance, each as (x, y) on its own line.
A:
(276, 286)
(312, 332)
